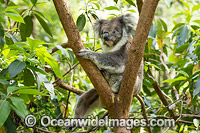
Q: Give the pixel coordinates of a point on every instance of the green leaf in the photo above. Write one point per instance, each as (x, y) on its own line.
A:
(81, 21)
(29, 91)
(28, 78)
(34, 43)
(2, 41)
(116, 1)
(178, 26)
(10, 39)
(43, 16)
(49, 86)
(131, 2)
(181, 48)
(95, 16)
(33, 61)
(188, 18)
(10, 125)
(182, 35)
(63, 50)
(197, 88)
(196, 122)
(164, 25)
(170, 81)
(35, 69)
(4, 82)
(195, 7)
(19, 107)
(4, 111)
(131, 10)
(97, 5)
(44, 25)
(33, 2)
(15, 16)
(27, 28)
(12, 89)
(186, 4)
(45, 56)
(112, 8)
(4, 72)
(17, 48)
(183, 72)
(159, 29)
(16, 67)
(197, 21)
(147, 83)
(10, 8)
(153, 31)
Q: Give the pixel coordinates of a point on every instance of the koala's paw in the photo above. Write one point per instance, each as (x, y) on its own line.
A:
(85, 53)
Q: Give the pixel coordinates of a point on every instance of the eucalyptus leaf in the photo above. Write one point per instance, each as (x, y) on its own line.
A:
(2, 41)
(28, 78)
(197, 88)
(81, 21)
(4, 111)
(11, 89)
(29, 91)
(27, 28)
(112, 8)
(131, 2)
(15, 16)
(44, 25)
(16, 67)
(182, 35)
(19, 107)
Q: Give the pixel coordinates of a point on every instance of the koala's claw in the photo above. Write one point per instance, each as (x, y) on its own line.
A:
(85, 53)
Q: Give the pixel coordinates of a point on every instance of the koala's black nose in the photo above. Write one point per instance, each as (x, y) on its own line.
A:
(106, 36)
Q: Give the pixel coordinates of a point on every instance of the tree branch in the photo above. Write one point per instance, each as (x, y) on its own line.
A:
(143, 111)
(64, 45)
(139, 5)
(70, 88)
(135, 56)
(162, 97)
(75, 42)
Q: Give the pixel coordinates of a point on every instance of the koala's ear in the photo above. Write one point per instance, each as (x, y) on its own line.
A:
(97, 27)
(128, 21)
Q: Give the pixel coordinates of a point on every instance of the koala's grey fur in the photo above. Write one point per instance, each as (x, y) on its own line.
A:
(116, 38)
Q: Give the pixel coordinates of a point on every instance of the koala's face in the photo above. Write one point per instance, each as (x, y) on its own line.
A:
(111, 32)
(114, 30)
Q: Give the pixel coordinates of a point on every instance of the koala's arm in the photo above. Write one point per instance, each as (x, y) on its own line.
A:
(112, 62)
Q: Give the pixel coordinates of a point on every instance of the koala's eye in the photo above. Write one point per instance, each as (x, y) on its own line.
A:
(115, 31)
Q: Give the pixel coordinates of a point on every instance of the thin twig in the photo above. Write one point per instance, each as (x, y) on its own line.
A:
(143, 111)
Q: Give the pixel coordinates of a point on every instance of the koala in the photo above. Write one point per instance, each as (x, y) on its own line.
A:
(116, 38)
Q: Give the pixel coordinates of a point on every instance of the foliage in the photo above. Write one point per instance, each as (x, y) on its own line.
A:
(30, 29)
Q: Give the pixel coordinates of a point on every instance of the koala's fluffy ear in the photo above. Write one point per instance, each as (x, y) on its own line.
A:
(128, 21)
(97, 27)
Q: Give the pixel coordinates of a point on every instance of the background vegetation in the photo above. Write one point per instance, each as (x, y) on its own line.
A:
(30, 29)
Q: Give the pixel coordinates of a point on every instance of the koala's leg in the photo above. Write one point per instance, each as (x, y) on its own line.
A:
(111, 62)
(86, 103)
